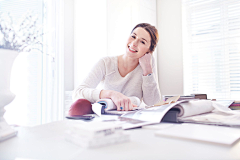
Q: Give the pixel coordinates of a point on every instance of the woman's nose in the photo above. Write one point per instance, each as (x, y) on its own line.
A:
(134, 43)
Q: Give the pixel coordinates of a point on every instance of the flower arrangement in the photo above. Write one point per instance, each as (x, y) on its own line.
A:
(23, 36)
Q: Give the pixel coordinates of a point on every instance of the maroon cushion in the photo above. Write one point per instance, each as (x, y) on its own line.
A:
(80, 107)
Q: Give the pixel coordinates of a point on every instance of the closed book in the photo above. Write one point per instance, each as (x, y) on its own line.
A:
(235, 104)
(6, 131)
(200, 96)
(235, 107)
(96, 141)
(95, 129)
(190, 97)
(203, 133)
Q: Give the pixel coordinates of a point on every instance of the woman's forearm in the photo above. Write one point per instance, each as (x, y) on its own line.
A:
(87, 89)
(106, 94)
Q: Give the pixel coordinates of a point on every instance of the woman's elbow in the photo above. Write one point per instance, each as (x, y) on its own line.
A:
(153, 100)
(77, 94)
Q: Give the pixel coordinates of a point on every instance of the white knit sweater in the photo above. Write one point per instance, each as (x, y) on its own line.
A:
(134, 84)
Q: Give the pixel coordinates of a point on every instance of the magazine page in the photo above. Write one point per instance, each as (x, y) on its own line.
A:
(139, 118)
(153, 114)
(194, 107)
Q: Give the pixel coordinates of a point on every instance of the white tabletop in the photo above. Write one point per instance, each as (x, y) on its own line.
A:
(48, 142)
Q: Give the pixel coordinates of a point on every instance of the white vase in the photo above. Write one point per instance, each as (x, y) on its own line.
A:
(7, 58)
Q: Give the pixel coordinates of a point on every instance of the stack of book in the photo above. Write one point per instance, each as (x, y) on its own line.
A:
(6, 131)
(165, 97)
(235, 105)
(187, 97)
(95, 134)
(199, 96)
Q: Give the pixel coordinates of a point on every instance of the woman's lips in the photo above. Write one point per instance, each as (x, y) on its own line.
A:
(132, 50)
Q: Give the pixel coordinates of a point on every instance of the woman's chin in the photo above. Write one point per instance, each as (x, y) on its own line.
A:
(130, 54)
(133, 55)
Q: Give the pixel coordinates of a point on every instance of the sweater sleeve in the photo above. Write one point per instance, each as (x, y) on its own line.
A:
(87, 89)
(150, 88)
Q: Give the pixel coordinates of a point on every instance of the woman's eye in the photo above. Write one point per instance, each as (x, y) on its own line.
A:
(133, 37)
(142, 42)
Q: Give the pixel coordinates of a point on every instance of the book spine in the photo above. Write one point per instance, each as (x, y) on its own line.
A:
(200, 96)
(234, 107)
(96, 133)
(180, 98)
(235, 104)
(96, 142)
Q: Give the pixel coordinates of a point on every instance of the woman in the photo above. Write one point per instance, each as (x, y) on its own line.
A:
(127, 78)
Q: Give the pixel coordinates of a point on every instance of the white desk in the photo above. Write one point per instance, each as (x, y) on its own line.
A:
(47, 142)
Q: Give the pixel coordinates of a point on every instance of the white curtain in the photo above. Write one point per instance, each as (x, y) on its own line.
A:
(37, 78)
(53, 64)
(211, 42)
(26, 75)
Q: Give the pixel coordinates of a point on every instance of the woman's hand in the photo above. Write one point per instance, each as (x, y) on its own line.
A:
(122, 102)
(146, 63)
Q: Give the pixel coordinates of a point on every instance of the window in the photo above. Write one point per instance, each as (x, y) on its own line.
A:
(211, 48)
(37, 77)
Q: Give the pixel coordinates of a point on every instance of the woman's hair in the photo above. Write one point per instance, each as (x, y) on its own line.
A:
(153, 33)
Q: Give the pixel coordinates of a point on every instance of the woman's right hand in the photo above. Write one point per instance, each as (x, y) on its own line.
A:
(122, 102)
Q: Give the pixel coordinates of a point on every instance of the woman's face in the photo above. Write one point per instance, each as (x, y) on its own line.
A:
(138, 43)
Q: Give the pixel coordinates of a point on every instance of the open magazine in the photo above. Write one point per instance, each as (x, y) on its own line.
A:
(155, 114)
(192, 111)
(220, 115)
(108, 107)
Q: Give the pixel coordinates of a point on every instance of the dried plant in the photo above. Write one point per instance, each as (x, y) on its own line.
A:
(23, 36)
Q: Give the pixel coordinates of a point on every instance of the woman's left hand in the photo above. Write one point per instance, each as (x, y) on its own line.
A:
(146, 63)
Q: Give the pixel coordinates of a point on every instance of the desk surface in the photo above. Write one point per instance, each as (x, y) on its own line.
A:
(48, 142)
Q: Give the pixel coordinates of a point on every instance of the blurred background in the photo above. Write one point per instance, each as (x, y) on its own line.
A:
(198, 49)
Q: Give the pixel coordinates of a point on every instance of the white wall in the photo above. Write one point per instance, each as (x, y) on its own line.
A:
(122, 16)
(170, 62)
(103, 28)
(90, 36)
(125, 14)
